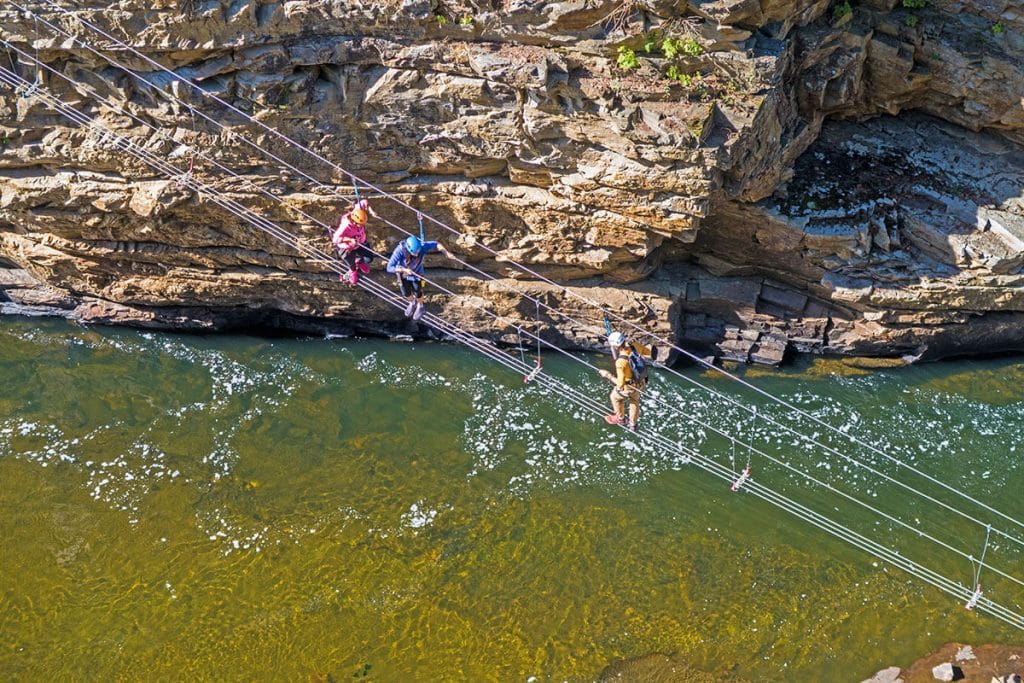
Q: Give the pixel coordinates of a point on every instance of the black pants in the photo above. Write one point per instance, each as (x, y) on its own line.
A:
(410, 287)
(360, 253)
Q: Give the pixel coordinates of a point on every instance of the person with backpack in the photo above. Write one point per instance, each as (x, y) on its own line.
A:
(407, 263)
(630, 379)
(349, 238)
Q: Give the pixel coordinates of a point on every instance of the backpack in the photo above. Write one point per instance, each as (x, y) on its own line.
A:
(638, 367)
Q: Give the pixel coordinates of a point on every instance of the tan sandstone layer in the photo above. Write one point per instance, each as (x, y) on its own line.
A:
(834, 182)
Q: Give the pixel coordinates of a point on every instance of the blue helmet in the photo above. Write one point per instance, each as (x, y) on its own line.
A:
(413, 245)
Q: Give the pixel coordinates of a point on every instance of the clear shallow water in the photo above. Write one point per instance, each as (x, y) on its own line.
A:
(234, 508)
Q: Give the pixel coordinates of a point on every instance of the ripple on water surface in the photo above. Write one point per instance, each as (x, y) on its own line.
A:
(227, 507)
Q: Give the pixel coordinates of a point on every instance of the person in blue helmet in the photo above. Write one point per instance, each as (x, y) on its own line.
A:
(407, 263)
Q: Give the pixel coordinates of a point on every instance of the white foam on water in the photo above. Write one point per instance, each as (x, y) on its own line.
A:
(418, 516)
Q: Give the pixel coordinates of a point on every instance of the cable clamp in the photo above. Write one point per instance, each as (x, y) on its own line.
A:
(973, 602)
(533, 374)
(29, 90)
(743, 478)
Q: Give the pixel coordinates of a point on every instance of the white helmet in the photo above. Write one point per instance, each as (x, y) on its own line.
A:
(616, 339)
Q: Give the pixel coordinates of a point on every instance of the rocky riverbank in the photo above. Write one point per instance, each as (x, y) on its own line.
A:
(752, 179)
(951, 662)
(960, 662)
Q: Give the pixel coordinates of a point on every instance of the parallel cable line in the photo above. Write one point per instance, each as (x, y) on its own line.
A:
(319, 255)
(776, 461)
(786, 504)
(788, 405)
(706, 425)
(661, 401)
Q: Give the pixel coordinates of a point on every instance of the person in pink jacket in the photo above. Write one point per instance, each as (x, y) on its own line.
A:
(349, 239)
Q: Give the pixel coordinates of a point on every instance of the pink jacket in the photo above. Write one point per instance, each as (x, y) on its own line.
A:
(347, 228)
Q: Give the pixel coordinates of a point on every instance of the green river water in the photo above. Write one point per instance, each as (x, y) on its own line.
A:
(234, 508)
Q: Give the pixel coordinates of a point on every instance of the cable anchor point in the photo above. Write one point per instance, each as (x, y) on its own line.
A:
(533, 373)
(27, 91)
(742, 479)
(973, 602)
(186, 177)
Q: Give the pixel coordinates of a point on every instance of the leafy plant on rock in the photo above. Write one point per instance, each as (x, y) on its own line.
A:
(842, 10)
(626, 58)
(692, 48)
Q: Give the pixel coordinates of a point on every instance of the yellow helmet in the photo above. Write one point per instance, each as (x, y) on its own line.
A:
(359, 216)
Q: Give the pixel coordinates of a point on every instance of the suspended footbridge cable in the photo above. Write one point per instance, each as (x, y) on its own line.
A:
(715, 430)
(718, 431)
(760, 491)
(792, 408)
(319, 256)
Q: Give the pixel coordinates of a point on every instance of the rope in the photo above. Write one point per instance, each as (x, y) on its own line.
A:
(789, 406)
(558, 387)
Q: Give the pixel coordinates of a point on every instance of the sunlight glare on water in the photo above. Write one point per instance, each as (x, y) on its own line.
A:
(228, 507)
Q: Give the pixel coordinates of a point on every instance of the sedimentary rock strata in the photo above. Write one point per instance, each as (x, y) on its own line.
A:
(751, 178)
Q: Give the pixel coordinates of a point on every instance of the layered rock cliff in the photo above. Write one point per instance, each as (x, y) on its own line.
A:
(749, 176)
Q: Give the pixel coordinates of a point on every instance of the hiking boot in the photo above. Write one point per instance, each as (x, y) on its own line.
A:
(363, 268)
(632, 426)
(353, 276)
(410, 309)
(418, 313)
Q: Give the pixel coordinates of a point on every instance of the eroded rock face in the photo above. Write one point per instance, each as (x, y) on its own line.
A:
(905, 234)
(690, 204)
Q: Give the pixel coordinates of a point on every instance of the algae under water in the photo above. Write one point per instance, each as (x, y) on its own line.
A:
(233, 508)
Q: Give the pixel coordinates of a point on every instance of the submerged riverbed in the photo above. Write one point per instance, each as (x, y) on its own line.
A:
(233, 508)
